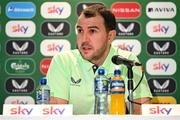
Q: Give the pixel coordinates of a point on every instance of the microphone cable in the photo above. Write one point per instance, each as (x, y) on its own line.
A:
(142, 68)
(137, 87)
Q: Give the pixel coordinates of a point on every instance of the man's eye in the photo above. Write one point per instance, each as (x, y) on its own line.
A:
(79, 30)
(92, 31)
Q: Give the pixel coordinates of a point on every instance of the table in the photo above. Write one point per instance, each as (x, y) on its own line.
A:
(91, 117)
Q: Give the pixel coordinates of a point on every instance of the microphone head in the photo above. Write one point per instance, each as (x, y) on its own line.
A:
(115, 60)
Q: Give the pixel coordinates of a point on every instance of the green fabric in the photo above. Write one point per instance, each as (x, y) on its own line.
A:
(70, 77)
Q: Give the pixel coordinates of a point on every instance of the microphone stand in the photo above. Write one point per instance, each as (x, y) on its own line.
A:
(117, 59)
(130, 88)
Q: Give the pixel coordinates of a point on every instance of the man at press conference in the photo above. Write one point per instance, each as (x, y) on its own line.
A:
(71, 73)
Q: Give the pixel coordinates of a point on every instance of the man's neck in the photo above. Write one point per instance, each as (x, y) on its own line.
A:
(99, 61)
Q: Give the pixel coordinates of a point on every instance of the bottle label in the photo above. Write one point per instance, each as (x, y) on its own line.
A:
(101, 86)
(43, 95)
(117, 87)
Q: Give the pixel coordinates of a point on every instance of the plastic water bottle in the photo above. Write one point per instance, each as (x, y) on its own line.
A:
(117, 90)
(43, 92)
(101, 92)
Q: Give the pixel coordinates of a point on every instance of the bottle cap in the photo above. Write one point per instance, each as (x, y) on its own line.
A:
(101, 71)
(43, 80)
(117, 70)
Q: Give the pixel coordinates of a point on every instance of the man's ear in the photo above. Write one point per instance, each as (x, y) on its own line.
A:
(111, 35)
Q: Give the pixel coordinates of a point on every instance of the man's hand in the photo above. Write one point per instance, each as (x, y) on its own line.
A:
(55, 100)
(137, 104)
(137, 107)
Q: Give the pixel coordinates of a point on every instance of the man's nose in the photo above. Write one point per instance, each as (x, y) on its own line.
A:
(85, 37)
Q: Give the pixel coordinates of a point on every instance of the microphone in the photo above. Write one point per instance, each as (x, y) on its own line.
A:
(117, 59)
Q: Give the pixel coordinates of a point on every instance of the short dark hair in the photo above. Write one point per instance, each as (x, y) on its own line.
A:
(99, 9)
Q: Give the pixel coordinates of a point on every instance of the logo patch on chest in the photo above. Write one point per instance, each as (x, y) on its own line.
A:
(75, 82)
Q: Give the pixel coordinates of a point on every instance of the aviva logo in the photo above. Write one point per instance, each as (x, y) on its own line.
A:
(20, 10)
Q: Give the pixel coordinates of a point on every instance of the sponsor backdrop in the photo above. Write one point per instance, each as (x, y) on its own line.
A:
(32, 31)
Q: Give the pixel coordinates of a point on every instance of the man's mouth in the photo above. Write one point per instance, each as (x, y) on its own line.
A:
(86, 49)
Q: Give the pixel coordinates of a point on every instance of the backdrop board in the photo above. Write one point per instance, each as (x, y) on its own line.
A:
(32, 31)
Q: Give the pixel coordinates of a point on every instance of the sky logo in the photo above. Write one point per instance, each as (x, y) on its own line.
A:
(24, 100)
(53, 111)
(125, 46)
(20, 28)
(161, 29)
(37, 110)
(161, 66)
(52, 47)
(55, 10)
(21, 111)
(20, 10)
(128, 44)
(158, 110)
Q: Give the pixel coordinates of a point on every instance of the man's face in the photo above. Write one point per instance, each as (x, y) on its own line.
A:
(92, 38)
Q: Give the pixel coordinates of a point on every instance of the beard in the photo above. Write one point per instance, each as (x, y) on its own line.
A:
(92, 54)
